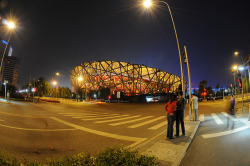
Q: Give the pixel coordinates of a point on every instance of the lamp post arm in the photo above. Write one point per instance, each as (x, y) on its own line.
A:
(3, 55)
(178, 45)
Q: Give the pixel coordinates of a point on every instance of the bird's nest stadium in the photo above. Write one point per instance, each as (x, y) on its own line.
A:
(131, 79)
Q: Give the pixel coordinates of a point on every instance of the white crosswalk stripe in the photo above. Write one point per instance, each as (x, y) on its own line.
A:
(118, 119)
(90, 116)
(229, 116)
(130, 121)
(158, 125)
(201, 117)
(105, 117)
(216, 118)
(146, 122)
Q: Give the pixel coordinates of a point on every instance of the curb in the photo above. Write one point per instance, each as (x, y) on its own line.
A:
(178, 161)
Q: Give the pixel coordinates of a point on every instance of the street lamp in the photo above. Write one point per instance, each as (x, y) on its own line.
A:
(236, 53)
(241, 68)
(11, 26)
(235, 67)
(55, 83)
(147, 4)
(80, 79)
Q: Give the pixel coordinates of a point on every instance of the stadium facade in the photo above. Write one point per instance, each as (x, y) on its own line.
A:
(131, 79)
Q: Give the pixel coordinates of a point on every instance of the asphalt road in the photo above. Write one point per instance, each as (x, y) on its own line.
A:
(217, 145)
(41, 130)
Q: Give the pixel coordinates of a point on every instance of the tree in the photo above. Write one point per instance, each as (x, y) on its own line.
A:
(104, 93)
(65, 92)
(245, 83)
(217, 87)
(202, 86)
(79, 93)
(210, 91)
(42, 87)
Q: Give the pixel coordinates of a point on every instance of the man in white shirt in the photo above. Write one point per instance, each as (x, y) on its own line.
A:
(194, 102)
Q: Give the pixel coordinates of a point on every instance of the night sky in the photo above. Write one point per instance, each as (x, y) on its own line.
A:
(55, 36)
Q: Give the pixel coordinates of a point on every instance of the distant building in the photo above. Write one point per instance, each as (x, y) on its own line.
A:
(10, 65)
(10, 70)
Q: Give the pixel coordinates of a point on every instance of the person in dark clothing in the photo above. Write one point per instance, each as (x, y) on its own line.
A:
(181, 104)
(231, 112)
(170, 109)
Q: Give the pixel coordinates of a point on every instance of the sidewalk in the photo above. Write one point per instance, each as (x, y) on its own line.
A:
(170, 152)
(3, 101)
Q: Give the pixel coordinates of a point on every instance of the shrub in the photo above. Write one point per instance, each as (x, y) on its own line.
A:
(109, 157)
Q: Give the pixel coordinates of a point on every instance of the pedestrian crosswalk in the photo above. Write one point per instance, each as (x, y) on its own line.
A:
(216, 118)
(138, 121)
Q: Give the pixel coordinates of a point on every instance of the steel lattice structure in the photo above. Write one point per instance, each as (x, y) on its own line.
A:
(132, 79)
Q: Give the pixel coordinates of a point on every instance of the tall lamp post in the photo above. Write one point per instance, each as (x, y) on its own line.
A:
(55, 83)
(236, 53)
(241, 69)
(147, 4)
(80, 79)
(235, 67)
(10, 26)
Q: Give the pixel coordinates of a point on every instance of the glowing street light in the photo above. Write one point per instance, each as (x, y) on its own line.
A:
(11, 25)
(236, 53)
(147, 4)
(57, 74)
(241, 68)
(80, 78)
(54, 83)
(235, 67)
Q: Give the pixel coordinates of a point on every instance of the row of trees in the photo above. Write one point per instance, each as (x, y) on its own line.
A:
(44, 89)
(218, 91)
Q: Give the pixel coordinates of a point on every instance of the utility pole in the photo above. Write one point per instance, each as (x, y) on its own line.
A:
(189, 79)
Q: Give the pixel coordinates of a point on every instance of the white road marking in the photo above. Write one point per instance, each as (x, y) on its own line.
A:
(146, 122)
(159, 125)
(27, 129)
(201, 117)
(118, 119)
(86, 113)
(80, 115)
(245, 121)
(224, 132)
(130, 121)
(106, 117)
(101, 133)
(89, 116)
(229, 116)
(216, 118)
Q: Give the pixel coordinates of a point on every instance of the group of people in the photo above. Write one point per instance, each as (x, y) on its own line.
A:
(175, 110)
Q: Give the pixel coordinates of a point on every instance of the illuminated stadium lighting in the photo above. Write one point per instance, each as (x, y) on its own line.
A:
(129, 78)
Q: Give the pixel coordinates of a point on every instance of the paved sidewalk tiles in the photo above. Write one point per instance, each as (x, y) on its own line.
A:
(170, 152)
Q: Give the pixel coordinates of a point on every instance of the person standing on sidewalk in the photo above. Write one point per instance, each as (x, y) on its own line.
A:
(170, 108)
(232, 105)
(181, 103)
(8, 96)
(194, 102)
